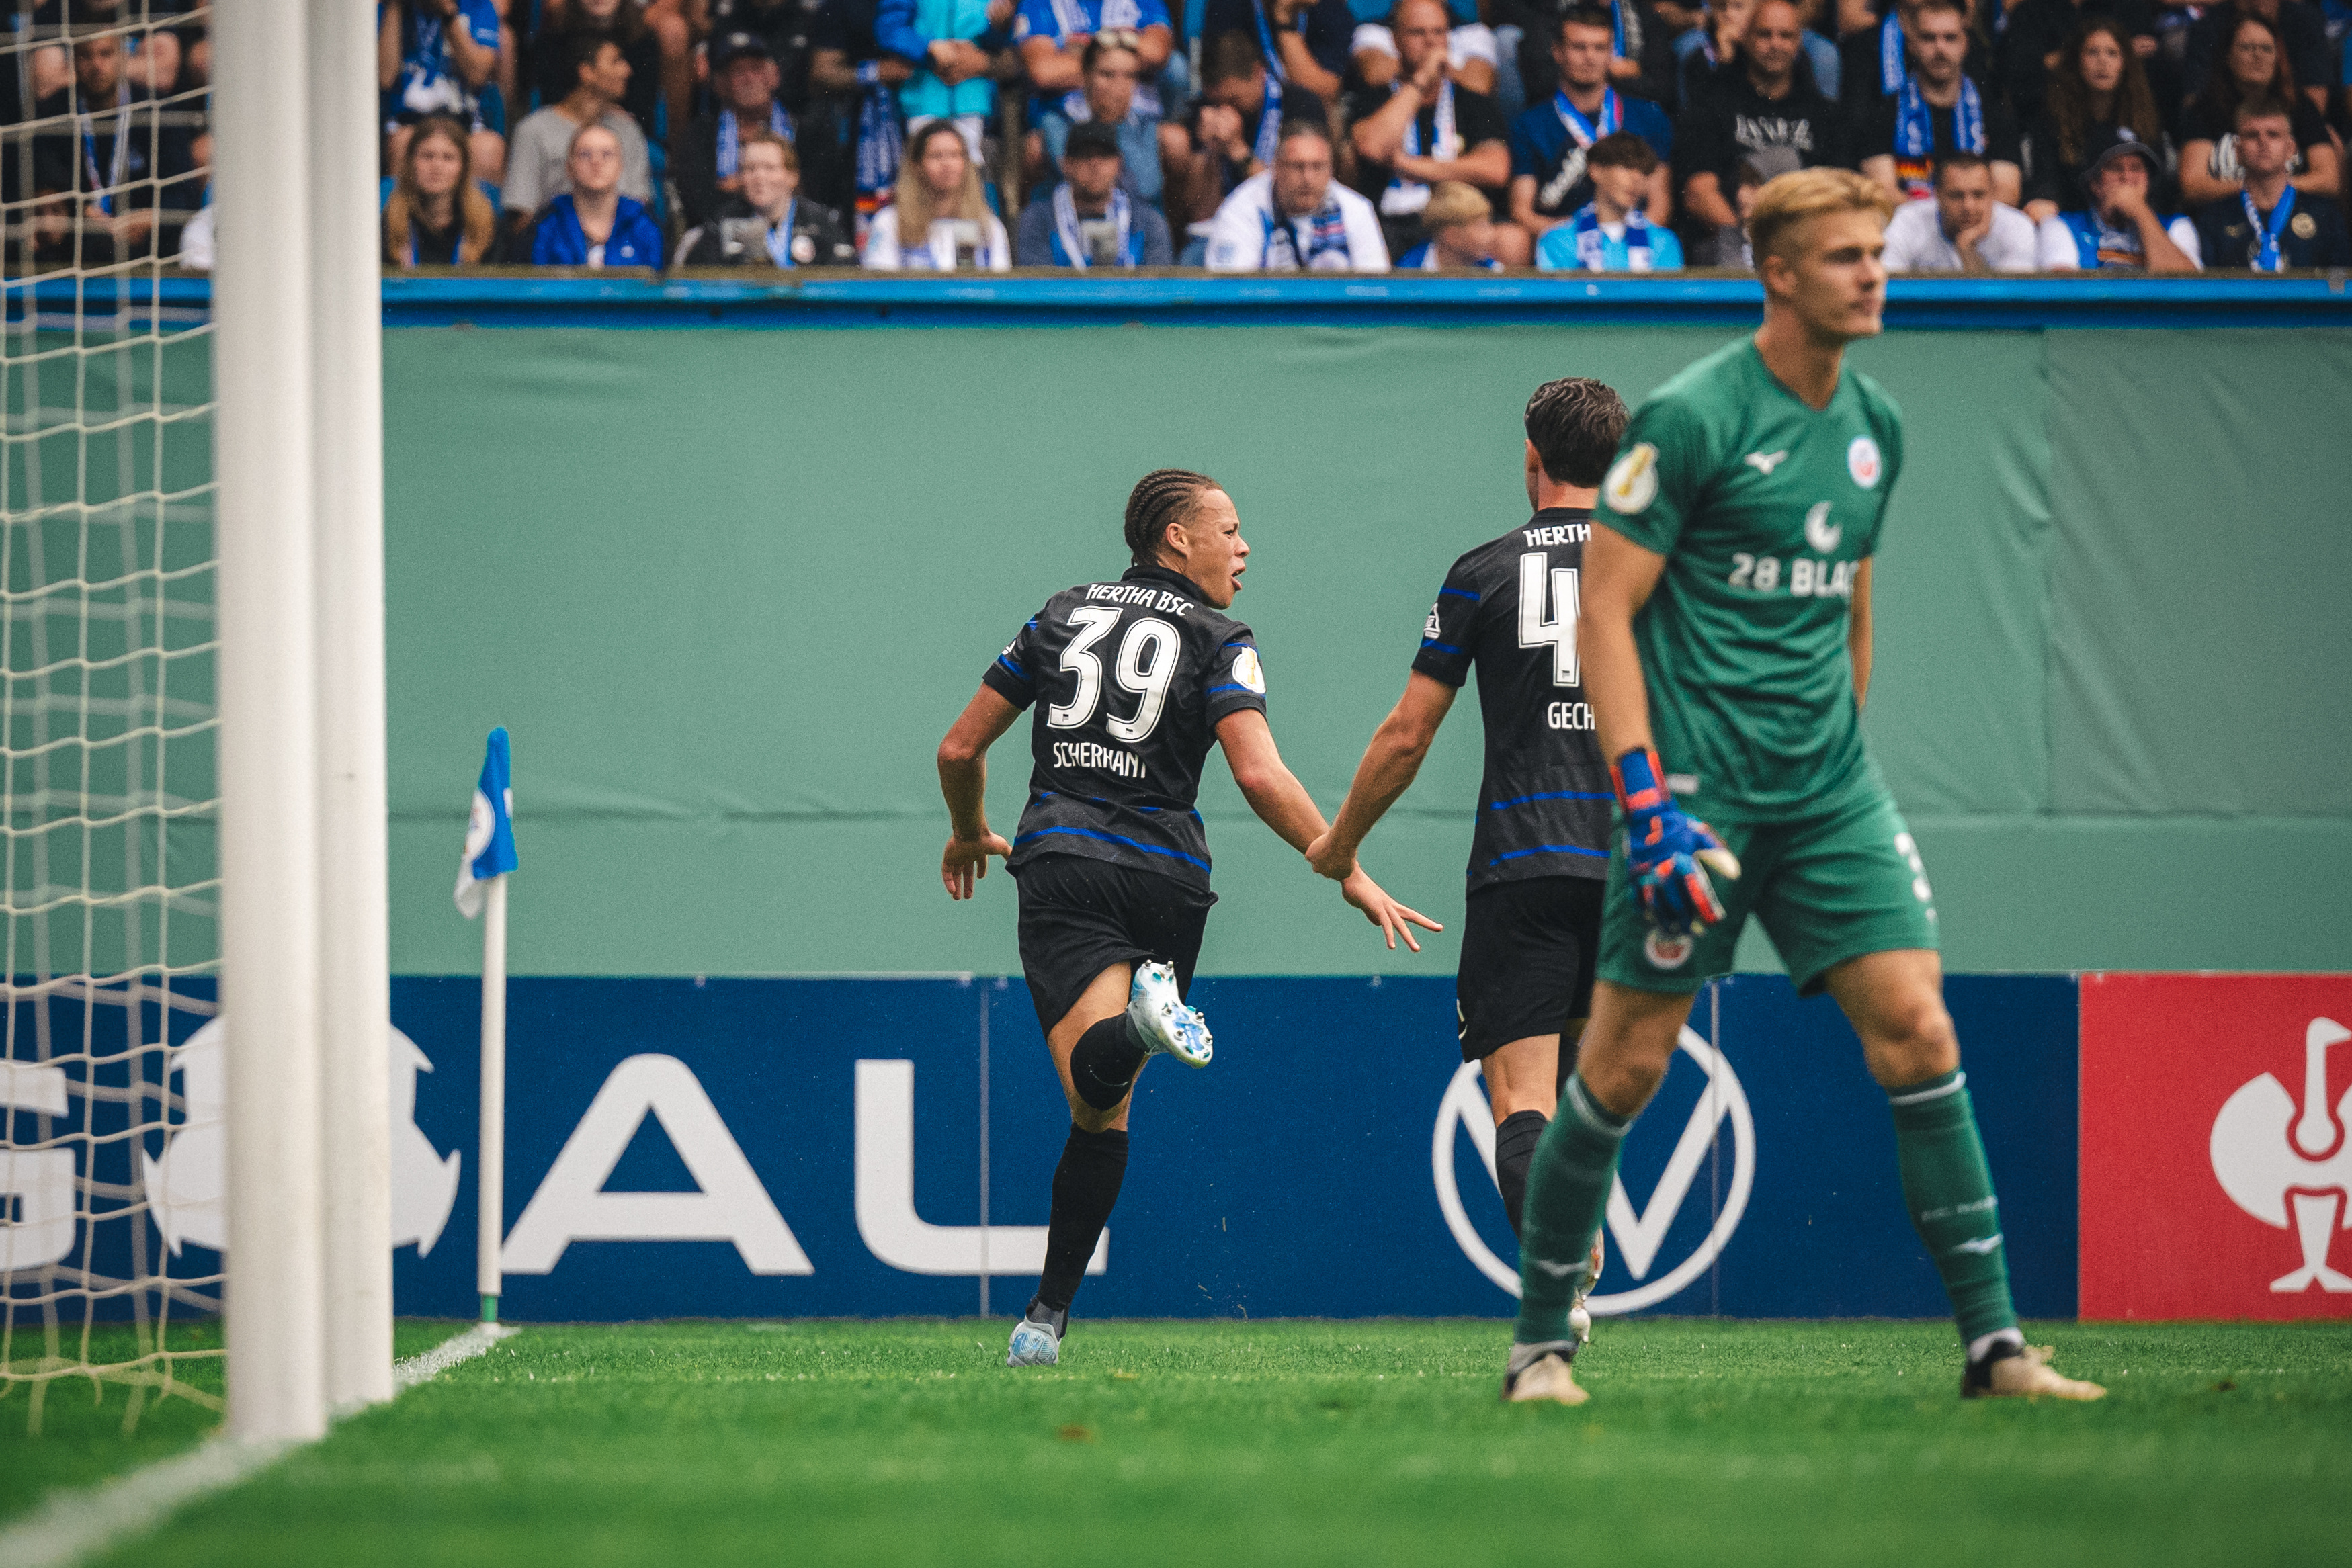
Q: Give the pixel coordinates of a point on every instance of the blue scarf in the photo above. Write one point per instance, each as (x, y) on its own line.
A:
(1914, 121)
(1624, 30)
(1404, 196)
(1890, 55)
(729, 150)
(1586, 131)
(1269, 119)
(780, 238)
(1069, 247)
(1591, 244)
(102, 186)
(1327, 233)
(2265, 256)
(880, 134)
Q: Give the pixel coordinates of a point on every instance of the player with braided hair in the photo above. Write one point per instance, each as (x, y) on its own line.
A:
(1131, 681)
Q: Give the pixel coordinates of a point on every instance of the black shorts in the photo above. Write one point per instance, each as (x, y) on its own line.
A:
(1527, 953)
(1080, 917)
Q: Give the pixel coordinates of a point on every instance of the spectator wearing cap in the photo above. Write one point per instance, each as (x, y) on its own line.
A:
(1295, 217)
(2121, 228)
(1422, 128)
(1552, 142)
(788, 28)
(1939, 109)
(434, 56)
(939, 220)
(950, 43)
(1461, 225)
(118, 172)
(539, 159)
(1611, 233)
(592, 224)
(1963, 229)
(1760, 106)
(2269, 226)
(1147, 147)
(2254, 65)
(848, 64)
(1088, 218)
(655, 38)
(743, 80)
(767, 223)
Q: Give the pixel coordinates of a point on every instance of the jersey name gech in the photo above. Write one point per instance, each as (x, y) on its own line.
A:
(1509, 610)
(1127, 681)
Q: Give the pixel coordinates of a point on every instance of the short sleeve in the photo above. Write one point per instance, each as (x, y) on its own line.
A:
(1011, 677)
(1449, 633)
(482, 21)
(1236, 678)
(1653, 486)
(1035, 20)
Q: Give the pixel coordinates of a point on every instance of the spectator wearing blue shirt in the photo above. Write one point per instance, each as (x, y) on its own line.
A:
(1609, 234)
(1551, 142)
(2122, 228)
(948, 42)
(434, 56)
(592, 224)
(1461, 225)
(1147, 144)
(1089, 219)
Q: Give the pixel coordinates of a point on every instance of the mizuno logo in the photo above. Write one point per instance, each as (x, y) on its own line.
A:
(1765, 462)
(1981, 1247)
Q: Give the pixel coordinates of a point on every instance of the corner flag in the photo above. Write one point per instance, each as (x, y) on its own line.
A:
(489, 829)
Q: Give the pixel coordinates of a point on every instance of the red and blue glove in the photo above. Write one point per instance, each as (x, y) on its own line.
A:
(1670, 850)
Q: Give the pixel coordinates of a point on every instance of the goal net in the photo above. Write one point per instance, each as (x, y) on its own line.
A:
(112, 1078)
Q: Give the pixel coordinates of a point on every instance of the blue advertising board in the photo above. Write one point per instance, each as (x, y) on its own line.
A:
(885, 1146)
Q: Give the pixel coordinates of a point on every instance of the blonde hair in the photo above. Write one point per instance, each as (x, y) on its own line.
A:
(1451, 202)
(1788, 200)
(477, 222)
(918, 208)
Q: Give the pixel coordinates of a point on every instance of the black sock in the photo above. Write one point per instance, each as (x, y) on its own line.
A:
(1515, 1146)
(1086, 1186)
(1104, 1063)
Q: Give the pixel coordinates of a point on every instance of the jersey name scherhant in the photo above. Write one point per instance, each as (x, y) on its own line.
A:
(1509, 610)
(1129, 680)
(1765, 509)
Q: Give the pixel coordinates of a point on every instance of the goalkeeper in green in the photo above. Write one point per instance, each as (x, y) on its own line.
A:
(1725, 635)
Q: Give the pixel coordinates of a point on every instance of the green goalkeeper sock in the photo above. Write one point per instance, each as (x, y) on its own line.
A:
(1567, 1193)
(1949, 1192)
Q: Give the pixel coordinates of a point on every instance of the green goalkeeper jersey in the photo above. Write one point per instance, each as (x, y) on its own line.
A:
(1765, 509)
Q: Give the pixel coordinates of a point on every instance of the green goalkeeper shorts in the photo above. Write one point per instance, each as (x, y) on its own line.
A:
(1827, 889)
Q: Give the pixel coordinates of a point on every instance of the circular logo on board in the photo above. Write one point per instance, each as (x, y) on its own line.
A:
(1632, 482)
(1249, 671)
(1666, 952)
(1862, 461)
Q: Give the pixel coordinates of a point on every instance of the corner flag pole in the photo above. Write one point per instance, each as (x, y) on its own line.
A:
(488, 1275)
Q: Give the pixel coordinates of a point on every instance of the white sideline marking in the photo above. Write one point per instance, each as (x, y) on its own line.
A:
(73, 1525)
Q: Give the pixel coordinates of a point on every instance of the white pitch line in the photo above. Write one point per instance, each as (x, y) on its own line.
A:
(73, 1525)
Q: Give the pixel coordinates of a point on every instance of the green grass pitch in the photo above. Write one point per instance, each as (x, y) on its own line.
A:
(1304, 1443)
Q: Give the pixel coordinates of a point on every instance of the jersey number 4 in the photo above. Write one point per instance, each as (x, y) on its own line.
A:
(1146, 664)
(1549, 617)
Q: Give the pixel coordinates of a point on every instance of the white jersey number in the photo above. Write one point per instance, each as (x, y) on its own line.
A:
(1146, 664)
(1549, 617)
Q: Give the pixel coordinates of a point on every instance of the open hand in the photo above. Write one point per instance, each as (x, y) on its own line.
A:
(1394, 919)
(966, 859)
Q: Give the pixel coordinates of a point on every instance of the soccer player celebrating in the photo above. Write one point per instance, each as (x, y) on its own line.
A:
(1540, 847)
(1725, 637)
(1132, 681)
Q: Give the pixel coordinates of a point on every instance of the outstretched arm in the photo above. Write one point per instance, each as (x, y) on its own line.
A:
(1283, 805)
(1387, 771)
(963, 779)
(1619, 576)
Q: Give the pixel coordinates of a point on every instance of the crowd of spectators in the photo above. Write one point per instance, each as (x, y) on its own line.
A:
(1238, 135)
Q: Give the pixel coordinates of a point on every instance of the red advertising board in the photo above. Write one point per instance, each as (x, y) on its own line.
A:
(2217, 1147)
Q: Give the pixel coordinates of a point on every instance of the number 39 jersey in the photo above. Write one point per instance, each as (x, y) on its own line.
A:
(1509, 610)
(1129, 680)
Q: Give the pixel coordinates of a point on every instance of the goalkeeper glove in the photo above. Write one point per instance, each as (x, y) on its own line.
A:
(1669, 850)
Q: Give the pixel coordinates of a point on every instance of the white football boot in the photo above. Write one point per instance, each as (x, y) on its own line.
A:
(1037, 1339)
(1161, 1018)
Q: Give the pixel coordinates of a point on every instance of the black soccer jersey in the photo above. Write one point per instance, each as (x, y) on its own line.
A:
(1510, 609)
(1129, 679)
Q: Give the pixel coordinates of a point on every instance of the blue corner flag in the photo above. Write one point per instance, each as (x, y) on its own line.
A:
(489, 829)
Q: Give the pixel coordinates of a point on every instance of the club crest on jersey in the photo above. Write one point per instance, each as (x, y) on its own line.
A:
(1820, 532)
(1249, 671)
(1861, 462)
(1667, 952)
(1632, 483)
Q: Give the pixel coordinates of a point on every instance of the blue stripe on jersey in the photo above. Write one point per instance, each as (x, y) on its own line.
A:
(1441, 647)
(1458, 593)
(1554, 795)
(1551, 850)
(1113, 839)
(1229, 686)
(1018, 673)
